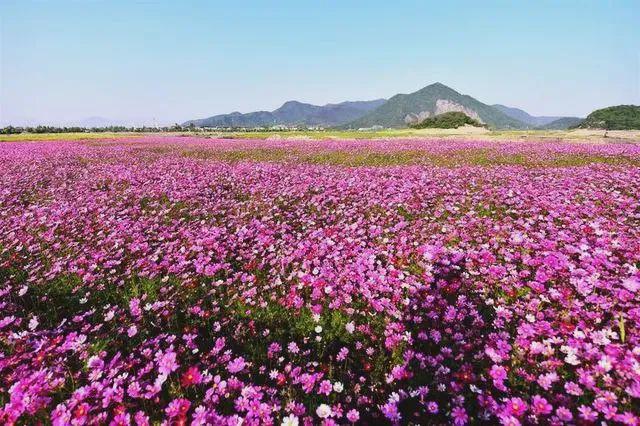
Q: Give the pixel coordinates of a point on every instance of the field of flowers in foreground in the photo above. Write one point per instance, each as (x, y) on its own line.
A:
(196, 281)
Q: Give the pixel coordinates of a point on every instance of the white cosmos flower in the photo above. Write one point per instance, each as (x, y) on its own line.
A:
(572, 359)
(290, 420)
(350, 327)
(605, 363)
(33, 323)
(323, 411)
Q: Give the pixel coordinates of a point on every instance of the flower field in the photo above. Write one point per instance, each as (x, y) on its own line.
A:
(198, 281)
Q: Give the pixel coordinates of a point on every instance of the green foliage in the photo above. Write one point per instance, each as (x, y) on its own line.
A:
(621, 117)
(54, 300)
(448, 120)
(61, 296)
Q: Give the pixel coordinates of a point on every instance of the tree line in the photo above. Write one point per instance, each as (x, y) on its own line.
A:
(74, 129)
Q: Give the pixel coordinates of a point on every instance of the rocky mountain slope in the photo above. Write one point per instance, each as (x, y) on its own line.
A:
(406, 109)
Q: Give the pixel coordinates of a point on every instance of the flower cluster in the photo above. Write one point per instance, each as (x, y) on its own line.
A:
(179, 280)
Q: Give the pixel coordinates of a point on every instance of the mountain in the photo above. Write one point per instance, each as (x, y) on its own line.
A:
(525, 117)
(540, 122)
(405, 109)
(293, 113)
(621, 117)
(562, 123)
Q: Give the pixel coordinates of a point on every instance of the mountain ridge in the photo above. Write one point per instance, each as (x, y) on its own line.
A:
(399, 111)
(525, 117)
(562, 123)
(543, 122)
(292, 113)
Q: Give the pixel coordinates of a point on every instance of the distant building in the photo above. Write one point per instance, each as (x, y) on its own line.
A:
(370, 129)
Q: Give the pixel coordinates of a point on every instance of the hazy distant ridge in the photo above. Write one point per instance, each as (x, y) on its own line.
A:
(293, 113)
(525, 117)
(540, 122)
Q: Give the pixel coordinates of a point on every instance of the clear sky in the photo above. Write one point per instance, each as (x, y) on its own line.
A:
(176, 60)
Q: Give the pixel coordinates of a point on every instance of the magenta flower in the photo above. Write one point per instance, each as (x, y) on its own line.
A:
(499, 375)
(191, 377)
(459, 416)
(540, 406)
(237, 365)
(515, 406)
(564, 414)
(166, 362)
(353, 415)
(178, 408)
(325, 387)
(632, 284)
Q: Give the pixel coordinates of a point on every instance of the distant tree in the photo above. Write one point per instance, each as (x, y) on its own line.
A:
(448, 120)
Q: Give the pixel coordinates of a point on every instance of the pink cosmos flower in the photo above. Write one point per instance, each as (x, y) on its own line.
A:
(166, 362)
(191, 377)
(141, 419)
(506, 420)
(353, 415)
(516, 406)
(540, 406)
(178, 408)
(121, 419)
(632, 284)
(293, 348)
(81, 412)
(237, 365)
(342, 354)
(325, 387)
(547, 380)
(498, 374)
(573, 388)
(459, 416)
(390, 411)
(564, 414)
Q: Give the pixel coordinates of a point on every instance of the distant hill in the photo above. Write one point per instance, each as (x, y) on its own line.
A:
(562, 123)
(540, 122)
(621, 117)
(447, 120)
(406, 109)
(525, 117)
(293, 113)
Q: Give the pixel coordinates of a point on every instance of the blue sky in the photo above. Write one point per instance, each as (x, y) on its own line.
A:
(172, 61)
